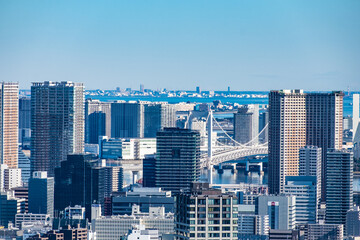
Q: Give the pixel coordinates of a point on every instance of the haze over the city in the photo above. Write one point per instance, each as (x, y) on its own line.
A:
(248, 45)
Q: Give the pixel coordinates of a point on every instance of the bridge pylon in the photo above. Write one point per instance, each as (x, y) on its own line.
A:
(210, 145)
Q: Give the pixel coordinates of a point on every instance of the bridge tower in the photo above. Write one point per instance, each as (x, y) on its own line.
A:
(210, 146)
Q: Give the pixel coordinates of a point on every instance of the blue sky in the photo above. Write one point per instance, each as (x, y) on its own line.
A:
(244, 44)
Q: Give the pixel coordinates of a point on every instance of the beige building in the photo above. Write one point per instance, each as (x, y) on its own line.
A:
(297, 119)
(9, 120)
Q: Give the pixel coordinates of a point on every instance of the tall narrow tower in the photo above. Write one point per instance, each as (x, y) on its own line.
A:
(9, 122)
(287, 125)
(57, 123)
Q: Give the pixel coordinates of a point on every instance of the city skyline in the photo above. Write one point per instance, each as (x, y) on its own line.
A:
(271, 45)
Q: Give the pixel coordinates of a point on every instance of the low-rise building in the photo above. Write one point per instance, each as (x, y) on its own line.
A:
(115, 227)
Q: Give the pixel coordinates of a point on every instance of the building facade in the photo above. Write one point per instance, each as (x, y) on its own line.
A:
(177, 162)
(339, 185)
(304, 188)
(246, 124)
(127, 120)
(9, 122)
(158, 116)
(281, 211)
(41, 193)
(206, 213)
(297, 119)
(97, 120)
(57, 123)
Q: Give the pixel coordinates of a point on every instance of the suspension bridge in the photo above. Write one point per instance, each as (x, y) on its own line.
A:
(218, 152)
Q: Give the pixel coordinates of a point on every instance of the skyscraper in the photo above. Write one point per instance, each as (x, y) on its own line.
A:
(263, 121)
(246, 124)
(9, 120)
(127, 120)
(158, 116)
(177, 162)
(324, 125)
(41, 193)
(310, 165)
(339, 185)
(97, 120)
(287, 129)
(79, 181)
(57, 123)
(24, 121)
(297, 119)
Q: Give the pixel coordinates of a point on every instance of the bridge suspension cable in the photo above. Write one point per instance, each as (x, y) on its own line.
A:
(236, 142)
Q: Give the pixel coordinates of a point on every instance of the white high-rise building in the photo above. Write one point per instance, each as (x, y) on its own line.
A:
(310, 165)
(9, 177)
(304, 188)
(12, 178)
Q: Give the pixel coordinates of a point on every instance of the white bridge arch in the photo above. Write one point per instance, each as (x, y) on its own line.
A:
(221, 153)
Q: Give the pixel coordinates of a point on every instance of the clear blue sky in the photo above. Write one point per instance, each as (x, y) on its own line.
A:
(173, 44)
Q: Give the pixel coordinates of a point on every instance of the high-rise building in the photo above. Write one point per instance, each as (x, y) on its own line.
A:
(263, 121)
(149, 171)
(24, 121)
(9, 177)
(304, 188)
(97, 120)
(12, 178)
(9, 122)
(57, 123)
(22, 193)
(246, 124)
(80, 181)
(324, 125)
(177, 162)
(310, 165)
(25, 166)
(158, 116)
(127, 120)
(281, 210)
(41, 193)
(287, 134)
(339, 185)
(9, 207)
(297, 119)
(353, 222)
(206, 213)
